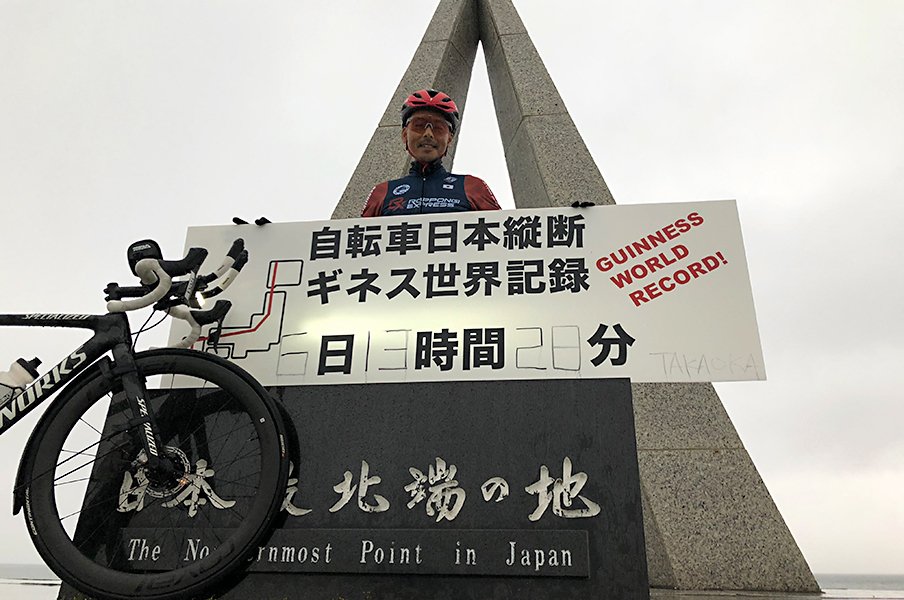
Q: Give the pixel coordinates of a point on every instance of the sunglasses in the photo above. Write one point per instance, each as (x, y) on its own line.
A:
(419, 125)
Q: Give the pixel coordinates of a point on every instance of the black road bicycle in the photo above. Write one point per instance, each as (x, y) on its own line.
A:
(152, 474)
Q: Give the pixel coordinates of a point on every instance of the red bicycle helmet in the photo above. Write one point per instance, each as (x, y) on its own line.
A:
(431, 100)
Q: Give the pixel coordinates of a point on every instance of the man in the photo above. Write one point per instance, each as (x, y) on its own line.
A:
(429, 122)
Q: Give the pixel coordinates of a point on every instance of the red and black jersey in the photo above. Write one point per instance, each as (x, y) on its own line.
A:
(429, 189)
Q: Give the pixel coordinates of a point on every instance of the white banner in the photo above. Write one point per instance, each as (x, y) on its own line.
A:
(654, 292)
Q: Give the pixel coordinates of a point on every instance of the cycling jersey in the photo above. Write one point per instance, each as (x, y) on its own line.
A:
(429, 188)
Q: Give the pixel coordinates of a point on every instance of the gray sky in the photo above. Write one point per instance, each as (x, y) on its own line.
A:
(125, 120)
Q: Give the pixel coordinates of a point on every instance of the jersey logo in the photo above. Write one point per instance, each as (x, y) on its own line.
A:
(396, 204)
(401, 189)
(450, 179)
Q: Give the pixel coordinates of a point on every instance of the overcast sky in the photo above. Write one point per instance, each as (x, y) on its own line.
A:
(124, 120)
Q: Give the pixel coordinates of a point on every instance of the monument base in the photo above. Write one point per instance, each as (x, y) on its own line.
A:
(571, 525)
(515, 489)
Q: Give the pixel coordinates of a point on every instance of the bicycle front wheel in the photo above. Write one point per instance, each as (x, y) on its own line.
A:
(113, 527)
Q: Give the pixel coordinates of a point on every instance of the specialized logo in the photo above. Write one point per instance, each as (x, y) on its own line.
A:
(148, 431)
(37, 316)
(141, 247)
(401, 189)
(18, 405)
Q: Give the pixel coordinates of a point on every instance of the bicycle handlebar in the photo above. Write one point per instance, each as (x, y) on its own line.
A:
(191, 263)
(198, 318)
(158, 288)
(150, 271)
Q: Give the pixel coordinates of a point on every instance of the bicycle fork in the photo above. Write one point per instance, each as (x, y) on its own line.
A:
(133, 384)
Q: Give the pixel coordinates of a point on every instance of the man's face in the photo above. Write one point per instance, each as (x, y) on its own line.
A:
(427, 135)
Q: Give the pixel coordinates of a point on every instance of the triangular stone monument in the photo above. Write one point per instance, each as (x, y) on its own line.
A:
(709, 520)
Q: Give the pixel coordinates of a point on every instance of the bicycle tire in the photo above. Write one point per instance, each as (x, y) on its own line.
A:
(122, 540)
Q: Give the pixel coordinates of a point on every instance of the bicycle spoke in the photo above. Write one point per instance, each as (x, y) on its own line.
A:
(89, 478)
(77, 452)
(115, 448)
(90, 425)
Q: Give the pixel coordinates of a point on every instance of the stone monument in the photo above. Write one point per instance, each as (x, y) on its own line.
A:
(709, 520)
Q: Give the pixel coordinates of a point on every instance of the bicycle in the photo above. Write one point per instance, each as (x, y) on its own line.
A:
(188, 450)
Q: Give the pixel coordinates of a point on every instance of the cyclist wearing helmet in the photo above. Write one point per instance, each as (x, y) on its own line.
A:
(429, 122)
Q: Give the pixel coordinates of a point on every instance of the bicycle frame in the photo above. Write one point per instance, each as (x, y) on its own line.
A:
(111, 333)
(109, 330)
